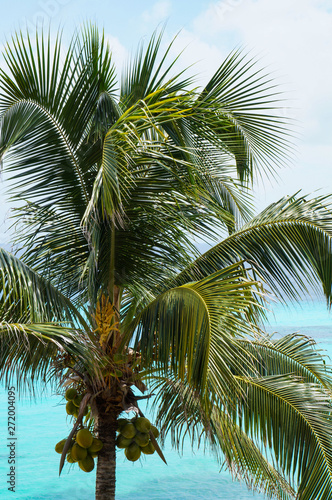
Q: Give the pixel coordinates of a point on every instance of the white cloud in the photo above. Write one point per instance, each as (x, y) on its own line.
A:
(119, 53)
(293, 36)
(158, 13)
(293, 41)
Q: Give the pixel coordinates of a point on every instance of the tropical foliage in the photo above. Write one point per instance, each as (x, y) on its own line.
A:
(114, 182)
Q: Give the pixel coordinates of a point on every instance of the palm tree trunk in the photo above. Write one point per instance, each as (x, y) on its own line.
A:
(105, 481)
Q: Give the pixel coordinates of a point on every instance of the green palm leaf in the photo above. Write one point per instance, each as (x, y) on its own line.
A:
(25, 295)
(28, 352)
(291, 354)
(180, 412)
(294, 419)
(288, 245)
(245, 100)
(195, 328)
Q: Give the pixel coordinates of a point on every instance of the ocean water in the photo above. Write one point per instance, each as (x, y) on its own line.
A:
(43, 423)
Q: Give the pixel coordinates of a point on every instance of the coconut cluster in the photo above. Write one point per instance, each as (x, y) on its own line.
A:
(84, 448)
(73, 402)
(134, 437)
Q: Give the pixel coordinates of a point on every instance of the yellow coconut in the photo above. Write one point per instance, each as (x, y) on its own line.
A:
(141, 439)
(84, 438)
(155, 431)
(77, 400)
(149, 449)
(75, 411)
(60, 445)
(121, 423)
(70, 408)
(78, 453)
(70, 458)
(122, 442)
(70, 394)
(133, 452)
(142, 424)
(96, 446)
(128, 431)
(87, 464)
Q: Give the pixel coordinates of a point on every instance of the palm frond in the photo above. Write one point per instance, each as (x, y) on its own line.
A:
(180, 413)
(288, 245)
(195, 328)
(29, 351)
(245, 100)
(293, 419)
(293, 354)
(27, 296)
(145, 73)
(46, 117)
(54, 246)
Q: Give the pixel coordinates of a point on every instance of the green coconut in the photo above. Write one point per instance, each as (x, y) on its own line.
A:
(149, 449)
(60, 445)
(75, 411)
(122, 442)
(87, 464)
(84, 438)
(77, 400)
(128, 431)
(155, 431)
(133, 452)
(78, 453)
(96, 446)
(142, 424)
(70, 408)
(70, 394)
(141, 439)
(93, 455)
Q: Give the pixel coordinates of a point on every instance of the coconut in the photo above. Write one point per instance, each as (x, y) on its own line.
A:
(77, 400)
(128, 431)
(60, 445)
(149, 449)
(87, 464)
(142, 424)
(141, 439)
(70, 458)
(155, 431)
(78, 453)
(121, 423)
(122, 442)
(133, 452)
(96, 446)
(84, 438)
(70, 394)
(70, 408)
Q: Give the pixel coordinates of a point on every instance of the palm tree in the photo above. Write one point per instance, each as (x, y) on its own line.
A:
(114, 182)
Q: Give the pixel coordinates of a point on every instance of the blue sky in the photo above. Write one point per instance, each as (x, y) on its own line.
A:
(292, 39)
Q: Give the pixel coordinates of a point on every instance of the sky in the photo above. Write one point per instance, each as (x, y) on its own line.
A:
(292, 39)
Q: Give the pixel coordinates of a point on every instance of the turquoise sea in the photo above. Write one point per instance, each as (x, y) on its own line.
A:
(42, 423)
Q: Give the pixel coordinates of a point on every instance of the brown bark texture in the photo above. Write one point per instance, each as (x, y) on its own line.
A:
(105, 480)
